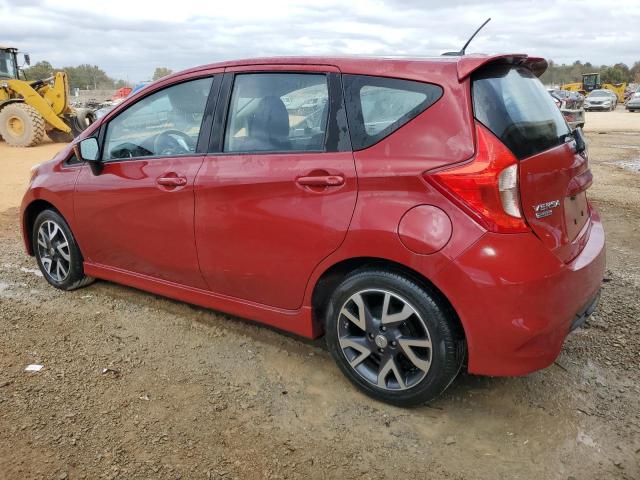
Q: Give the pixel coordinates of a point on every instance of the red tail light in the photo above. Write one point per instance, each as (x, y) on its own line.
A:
(487, 186)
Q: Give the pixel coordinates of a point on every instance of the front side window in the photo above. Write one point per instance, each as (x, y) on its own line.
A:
(166, 123)
(277, 112)
(378, 106)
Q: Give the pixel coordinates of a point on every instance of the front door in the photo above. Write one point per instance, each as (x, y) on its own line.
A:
(137, 213)
(277, 195)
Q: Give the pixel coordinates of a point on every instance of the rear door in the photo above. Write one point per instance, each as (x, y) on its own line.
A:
(276, 193)
(553, 177)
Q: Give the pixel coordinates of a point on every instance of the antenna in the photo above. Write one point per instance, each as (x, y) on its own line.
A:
(462, 52)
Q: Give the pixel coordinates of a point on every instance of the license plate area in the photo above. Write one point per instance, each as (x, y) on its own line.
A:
(576, 214)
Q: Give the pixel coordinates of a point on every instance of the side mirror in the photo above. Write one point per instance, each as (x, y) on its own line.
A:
(581, 143)
(27, 59)
(88, 151)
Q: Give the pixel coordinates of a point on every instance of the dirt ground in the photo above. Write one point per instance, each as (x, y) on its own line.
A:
(192, 393)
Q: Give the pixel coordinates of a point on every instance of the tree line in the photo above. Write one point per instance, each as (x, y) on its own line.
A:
(92, 77)
(85, 76)
(619, 73)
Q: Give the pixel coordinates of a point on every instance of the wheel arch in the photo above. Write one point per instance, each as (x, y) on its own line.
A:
(4, 103)
(30, 214)
(334, 274)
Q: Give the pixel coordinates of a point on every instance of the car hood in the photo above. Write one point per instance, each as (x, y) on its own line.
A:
(597, 99)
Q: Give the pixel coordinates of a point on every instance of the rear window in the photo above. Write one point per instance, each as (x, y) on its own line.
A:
(378, 106)
(512, 103)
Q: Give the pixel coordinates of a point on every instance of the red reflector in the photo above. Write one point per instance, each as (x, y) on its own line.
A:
(486, 187)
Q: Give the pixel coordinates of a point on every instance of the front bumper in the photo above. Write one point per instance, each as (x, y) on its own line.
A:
(597, 107)
(633, 104)
(517, 301)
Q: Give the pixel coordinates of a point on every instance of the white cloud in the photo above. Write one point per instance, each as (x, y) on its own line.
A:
(130, 38)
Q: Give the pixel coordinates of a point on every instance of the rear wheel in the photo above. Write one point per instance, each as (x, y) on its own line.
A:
(392, 338)
(21, 125)
(57, 253)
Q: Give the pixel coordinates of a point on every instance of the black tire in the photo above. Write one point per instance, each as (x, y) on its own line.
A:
(82, 118)
(445, 356)
(51, 252)
(21, 125)
(58, 136)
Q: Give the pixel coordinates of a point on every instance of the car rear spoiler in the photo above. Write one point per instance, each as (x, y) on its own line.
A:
(470, 63)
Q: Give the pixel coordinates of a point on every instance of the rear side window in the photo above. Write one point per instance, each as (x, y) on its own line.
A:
(378, 106)
(512, 103)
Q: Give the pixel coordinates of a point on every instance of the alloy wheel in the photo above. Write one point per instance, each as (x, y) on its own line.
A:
(384, 339)
(54, 251)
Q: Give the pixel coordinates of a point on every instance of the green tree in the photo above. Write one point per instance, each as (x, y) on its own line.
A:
(615, 74)
(634, 72)
(39, 71)
(88, 77)
(161, 72)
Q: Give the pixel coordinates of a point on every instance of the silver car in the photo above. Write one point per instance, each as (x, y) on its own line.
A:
(633, 104)
(601, 99)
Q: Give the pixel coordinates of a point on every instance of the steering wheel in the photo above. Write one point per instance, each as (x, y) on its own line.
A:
(173, 142)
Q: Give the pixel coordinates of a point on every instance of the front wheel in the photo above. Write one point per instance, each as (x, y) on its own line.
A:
(392, 338)
(57, 253)
(21, 125)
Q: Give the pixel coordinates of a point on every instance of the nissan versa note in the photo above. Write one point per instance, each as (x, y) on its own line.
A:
(424, 215)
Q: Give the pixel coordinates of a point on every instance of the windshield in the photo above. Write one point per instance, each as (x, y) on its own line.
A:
(599, 93)
(7, 66)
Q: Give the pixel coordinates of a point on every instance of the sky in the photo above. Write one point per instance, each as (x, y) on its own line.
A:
(130, 38)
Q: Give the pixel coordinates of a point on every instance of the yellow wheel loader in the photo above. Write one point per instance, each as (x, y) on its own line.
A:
(29, 109)
(591, 81)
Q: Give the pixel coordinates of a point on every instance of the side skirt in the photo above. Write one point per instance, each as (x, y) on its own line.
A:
(298, 322)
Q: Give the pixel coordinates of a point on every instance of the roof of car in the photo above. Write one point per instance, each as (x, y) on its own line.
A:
(464, 65)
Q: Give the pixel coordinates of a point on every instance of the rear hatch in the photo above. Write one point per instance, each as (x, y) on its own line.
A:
(552, 177)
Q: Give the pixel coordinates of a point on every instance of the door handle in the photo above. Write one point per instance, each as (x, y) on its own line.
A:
(172, 181)
(321, 181)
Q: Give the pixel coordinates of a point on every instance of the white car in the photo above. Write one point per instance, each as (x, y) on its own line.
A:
(601, 99)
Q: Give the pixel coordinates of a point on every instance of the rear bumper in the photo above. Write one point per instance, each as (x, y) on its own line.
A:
(517, 301)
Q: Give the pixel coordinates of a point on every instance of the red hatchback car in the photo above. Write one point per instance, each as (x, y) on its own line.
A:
(422, 214)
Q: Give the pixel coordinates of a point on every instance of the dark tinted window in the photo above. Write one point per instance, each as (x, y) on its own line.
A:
(513, 104)
(378, 106)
